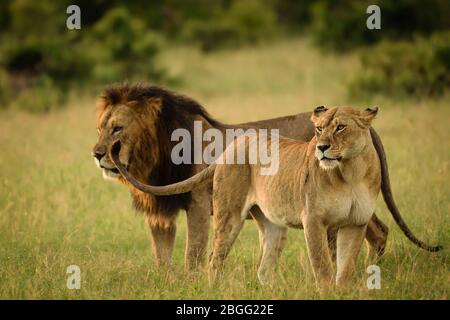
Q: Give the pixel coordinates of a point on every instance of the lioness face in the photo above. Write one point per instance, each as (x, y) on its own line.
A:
(115, 123)
(341, 133)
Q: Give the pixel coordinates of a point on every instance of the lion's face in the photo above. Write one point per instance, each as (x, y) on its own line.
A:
(116, 123)
(341, 133)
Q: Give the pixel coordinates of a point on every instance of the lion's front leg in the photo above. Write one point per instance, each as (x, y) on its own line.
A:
(163, 236)
(198, 217)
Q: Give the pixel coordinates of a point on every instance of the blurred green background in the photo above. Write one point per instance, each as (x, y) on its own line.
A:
(41, 61)
(244, 61)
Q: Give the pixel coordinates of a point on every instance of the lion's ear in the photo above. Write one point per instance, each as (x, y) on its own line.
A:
(368, 115)
(156, 103)
(152, 106)
(318, 111)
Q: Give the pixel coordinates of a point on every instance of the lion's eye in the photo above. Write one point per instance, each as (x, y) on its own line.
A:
(340, 128)
(319, 129)
(116, 130)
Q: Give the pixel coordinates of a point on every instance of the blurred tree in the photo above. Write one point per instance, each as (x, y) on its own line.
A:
(4, 14)
(295, 15)
(419, 68)
(121, 40)
(238, 23)
(122, 47)
(39, 54)
(341, 25)
(36, 19)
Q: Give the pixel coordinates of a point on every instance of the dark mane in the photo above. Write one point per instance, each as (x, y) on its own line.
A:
(173, 103)
(177, 111)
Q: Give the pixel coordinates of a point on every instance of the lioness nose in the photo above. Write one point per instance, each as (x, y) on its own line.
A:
(99, 155)
(323, 147)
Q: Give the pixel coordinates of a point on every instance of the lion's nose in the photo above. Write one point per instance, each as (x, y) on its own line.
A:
(323, 147)
(98, 155)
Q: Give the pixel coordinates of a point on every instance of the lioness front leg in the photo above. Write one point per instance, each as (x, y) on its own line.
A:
(376, 237)
(198, 216)
(163, 236)
(349, 241)
(318, 252)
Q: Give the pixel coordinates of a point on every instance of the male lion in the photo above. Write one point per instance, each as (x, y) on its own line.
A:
(143, 118)
(330, 182)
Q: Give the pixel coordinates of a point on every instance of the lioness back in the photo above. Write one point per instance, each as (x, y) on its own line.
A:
(278, 194)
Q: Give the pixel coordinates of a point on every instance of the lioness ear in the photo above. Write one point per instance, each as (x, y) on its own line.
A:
(368, 115)
(318, 111)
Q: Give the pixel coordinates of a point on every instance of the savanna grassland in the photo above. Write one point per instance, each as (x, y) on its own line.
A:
(56, 210)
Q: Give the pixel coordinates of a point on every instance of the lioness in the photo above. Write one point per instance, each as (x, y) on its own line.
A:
(331, 181)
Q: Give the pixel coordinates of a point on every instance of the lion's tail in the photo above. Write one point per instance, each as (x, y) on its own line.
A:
(171, 189)
(389, 198)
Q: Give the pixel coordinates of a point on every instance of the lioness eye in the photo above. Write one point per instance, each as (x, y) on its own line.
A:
(116, 130)
(319, 129)
(340, 127)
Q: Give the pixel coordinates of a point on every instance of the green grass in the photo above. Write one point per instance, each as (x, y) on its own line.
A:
(56, 210)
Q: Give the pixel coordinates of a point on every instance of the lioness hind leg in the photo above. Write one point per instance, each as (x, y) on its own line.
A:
(318, 251)
(226, 229)
(272, 239)
(349, 241)
(376, 237)
(230, 209)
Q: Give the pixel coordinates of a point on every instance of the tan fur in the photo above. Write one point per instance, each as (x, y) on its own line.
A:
(304, 194)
